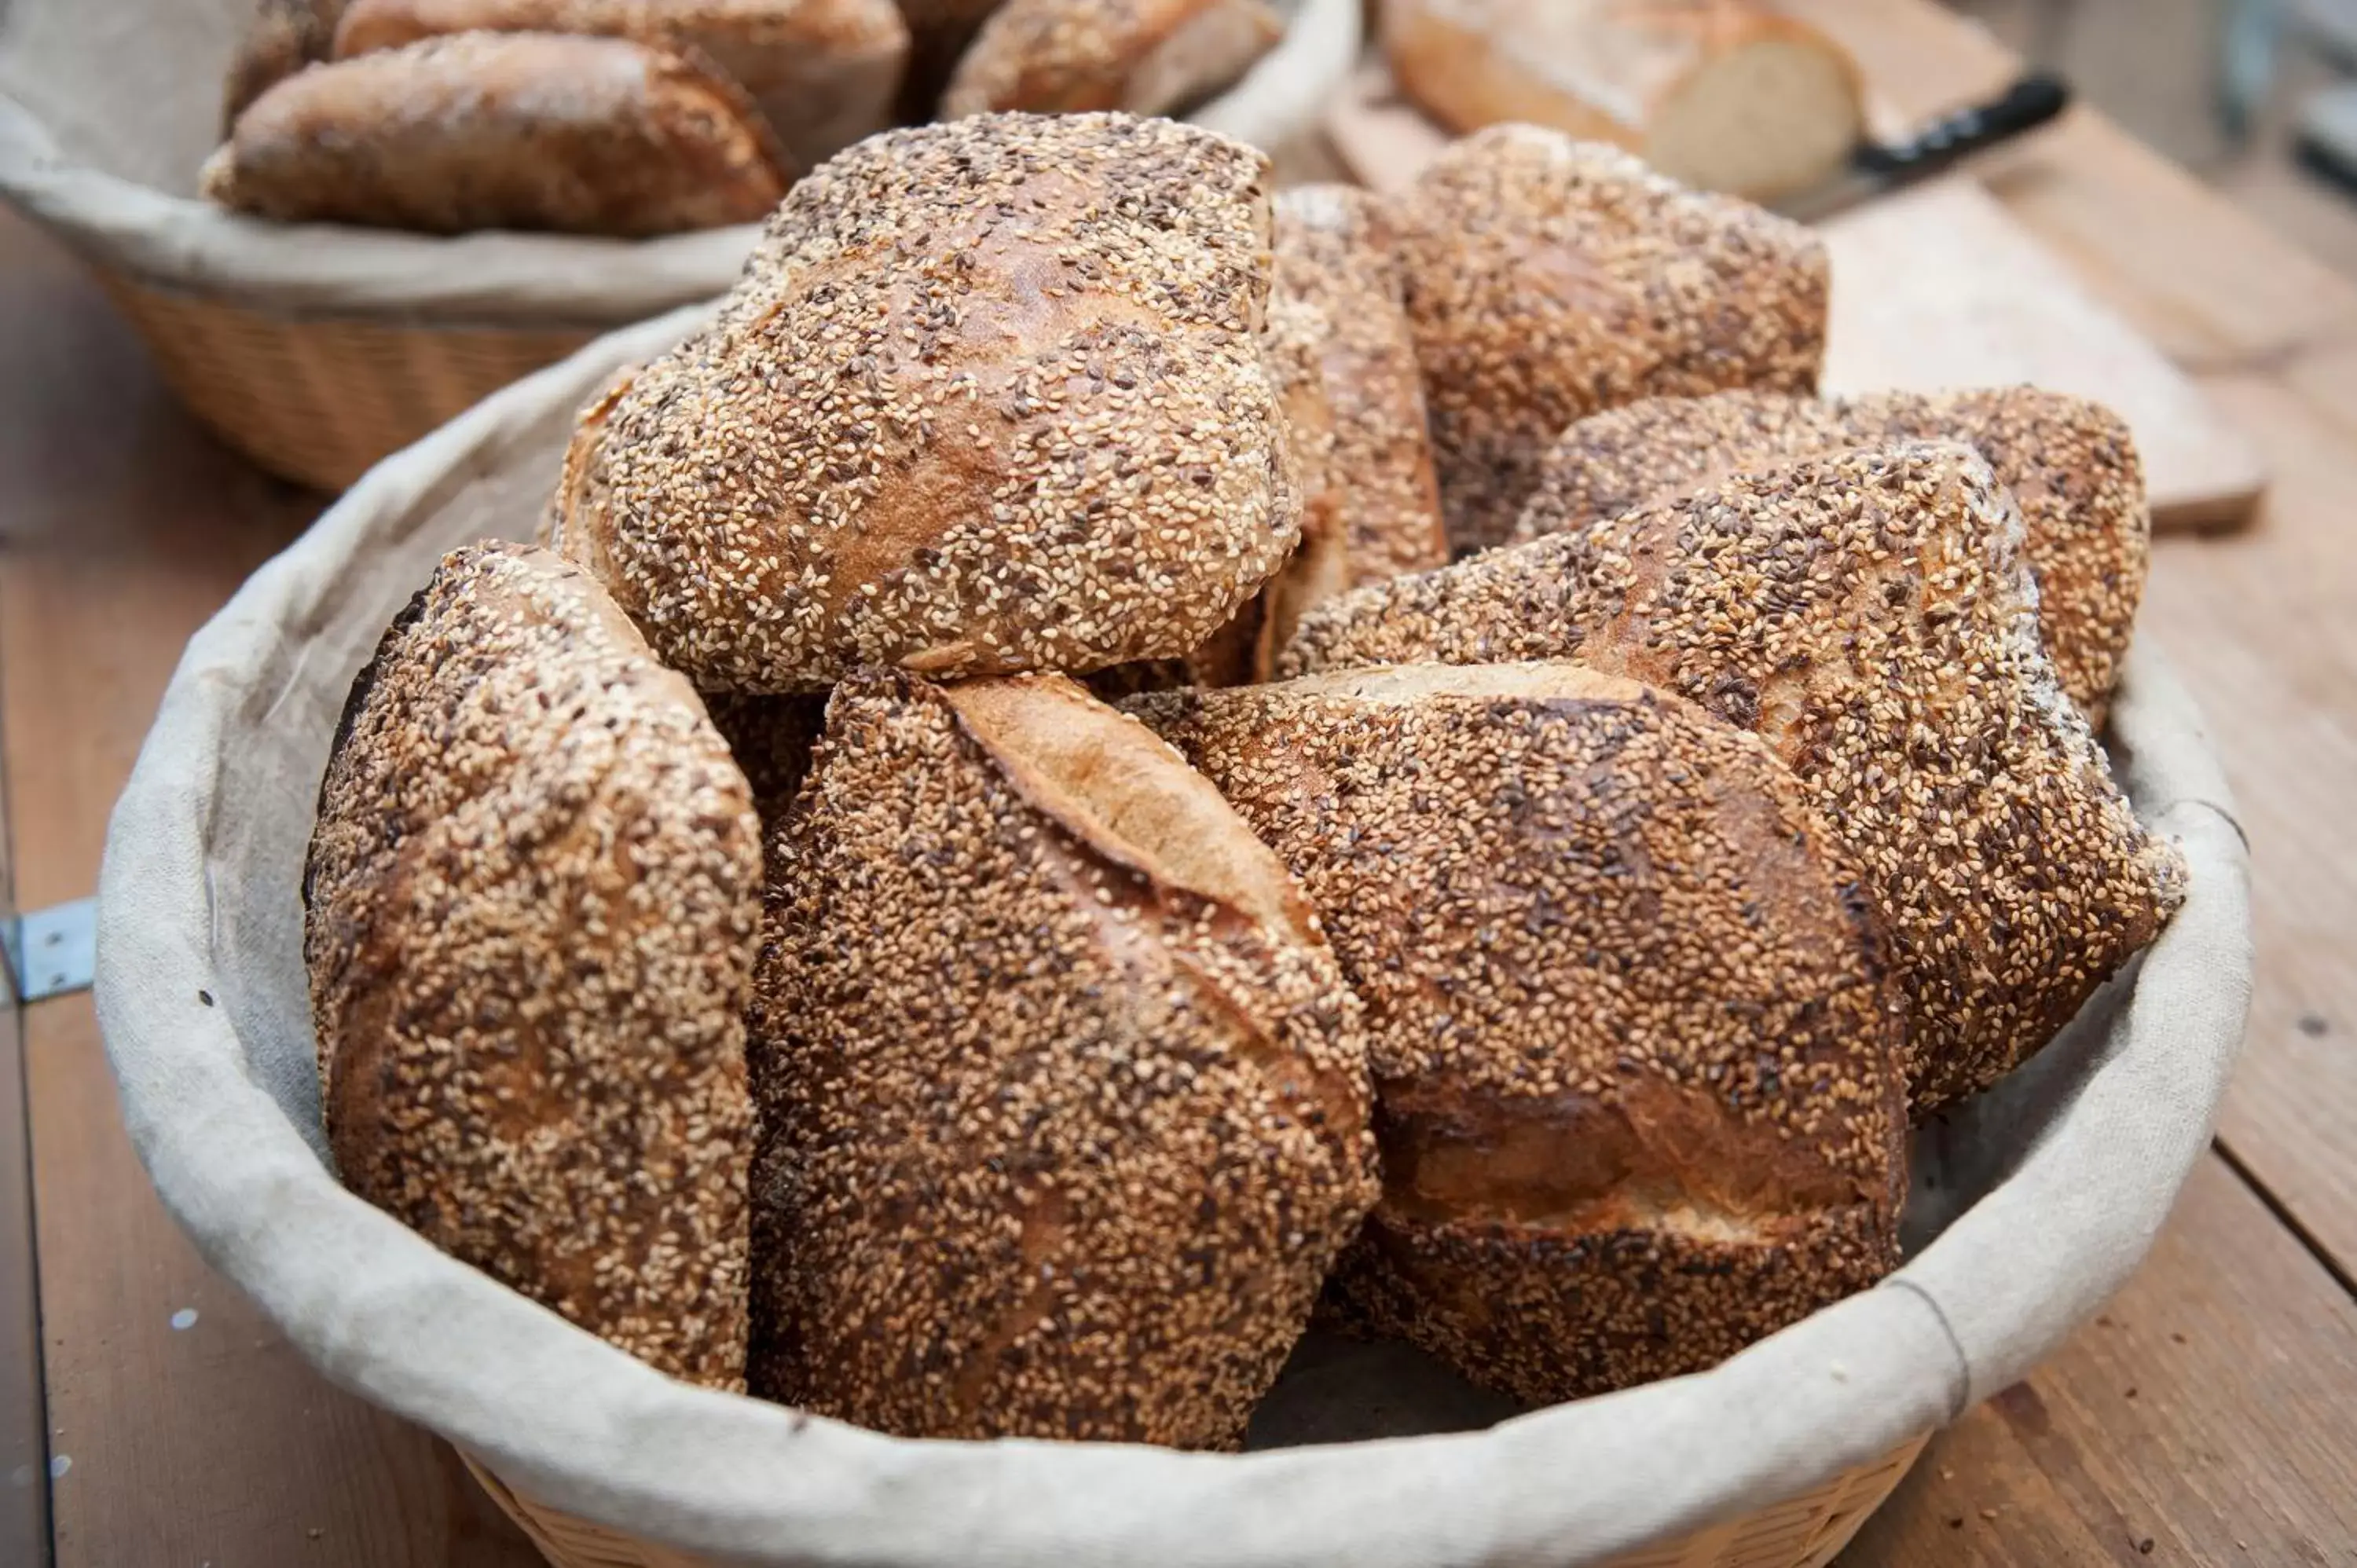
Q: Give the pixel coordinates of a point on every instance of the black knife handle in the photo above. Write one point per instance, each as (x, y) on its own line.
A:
(2025, 105)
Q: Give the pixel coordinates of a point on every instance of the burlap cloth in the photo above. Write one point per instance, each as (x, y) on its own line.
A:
(2030, 1208)
(107, 107)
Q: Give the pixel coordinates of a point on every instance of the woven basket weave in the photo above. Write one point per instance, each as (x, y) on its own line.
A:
(319, 400)
(1806, 1532)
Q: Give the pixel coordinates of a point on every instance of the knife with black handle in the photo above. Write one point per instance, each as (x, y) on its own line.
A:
(1877, 167)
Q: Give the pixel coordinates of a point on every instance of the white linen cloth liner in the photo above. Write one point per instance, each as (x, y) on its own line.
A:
(2056, 1182)
(108, 107)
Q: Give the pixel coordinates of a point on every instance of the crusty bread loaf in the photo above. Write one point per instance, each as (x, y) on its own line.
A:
(531, 908)
(1638, 1063)
(283, 37)
(1718, 94)
(989, 398)
(504, 131)
(1345, 368)
(1147, 57)
(2071, 464)
(1547, 279)
(824, 71)
(1064, 1101)
(1870, 616)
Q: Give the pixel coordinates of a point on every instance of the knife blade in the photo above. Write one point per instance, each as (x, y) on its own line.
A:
(1876, 168)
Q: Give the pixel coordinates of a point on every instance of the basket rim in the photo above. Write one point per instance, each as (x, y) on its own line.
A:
(584, 1428)
(496, 278)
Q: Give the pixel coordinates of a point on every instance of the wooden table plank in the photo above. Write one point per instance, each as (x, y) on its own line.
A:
(2210, 1412)
(213, 1442)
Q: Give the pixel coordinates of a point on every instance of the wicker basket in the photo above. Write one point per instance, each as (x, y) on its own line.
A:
(316, 350)
(1806, 1532)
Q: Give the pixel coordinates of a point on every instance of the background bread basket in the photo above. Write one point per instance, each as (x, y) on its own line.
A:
(316, 350)
(2029, 1207)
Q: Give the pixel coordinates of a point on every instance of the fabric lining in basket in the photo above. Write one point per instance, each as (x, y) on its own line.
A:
(2032, 1205)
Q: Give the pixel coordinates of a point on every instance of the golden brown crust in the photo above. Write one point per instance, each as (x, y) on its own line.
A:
(1870, 617)
(2071, 464)
(1145, 57)
(1064, 1101)
(989, 399)
(283, 37)
(1547, 279)
(531, 906)
(824, 71)
(1639, 1066)
(504, 131)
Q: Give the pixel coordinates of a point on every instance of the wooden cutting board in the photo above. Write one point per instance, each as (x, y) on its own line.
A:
(1938, 287)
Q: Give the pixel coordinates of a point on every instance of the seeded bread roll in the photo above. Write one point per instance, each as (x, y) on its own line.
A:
(1637, 1064)
(283, 37)
(530, 913)
(989, 399)
(1345, 367)
(1065, 1103)
(1547, 279)
(824, 71)
(1870, 616)
(2071, 464)
(504, 131)
(1147, 57)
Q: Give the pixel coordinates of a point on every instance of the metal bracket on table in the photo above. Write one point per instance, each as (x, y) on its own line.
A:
(50, 951)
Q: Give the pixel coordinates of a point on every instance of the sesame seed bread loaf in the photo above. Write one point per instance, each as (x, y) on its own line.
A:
(1064, 1101)
(824, 71)
(2071, 464)
(1639, 1066)
(531, 906)
(504, 131)
(1870, 616)
(989, 399)
(1345, 367)
(1145, 57)
(281, 37)
(1549, 278)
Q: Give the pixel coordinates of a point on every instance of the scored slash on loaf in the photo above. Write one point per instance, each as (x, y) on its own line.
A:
(1636, 1054)
(1065, 1100)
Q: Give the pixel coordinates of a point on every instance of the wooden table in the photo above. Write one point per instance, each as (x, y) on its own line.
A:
(2209, 1416)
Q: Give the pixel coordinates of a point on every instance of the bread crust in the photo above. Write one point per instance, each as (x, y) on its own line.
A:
(1870, 615)
(824, 71)
(1064, 1101)
(530, 908)
(990, 398)
(1547, 279)
(1638, 1062)
(1144, 56)
(504, 131)
(2071, 466)
(281, 38)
